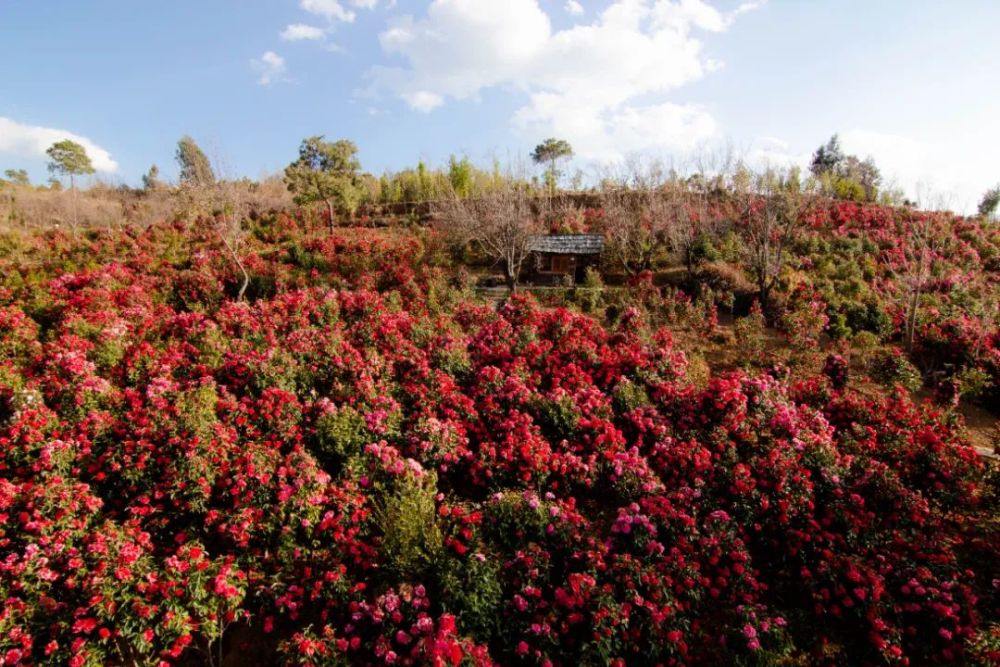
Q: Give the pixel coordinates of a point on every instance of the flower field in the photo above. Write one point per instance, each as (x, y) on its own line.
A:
(362, 463)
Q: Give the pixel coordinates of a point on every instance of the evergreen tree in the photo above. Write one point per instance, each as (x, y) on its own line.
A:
(68, 158)
(326, 172)
(195, 168)
(18, 177)
(151, 179)
(550, 152)
(990, 202)
(827, 157)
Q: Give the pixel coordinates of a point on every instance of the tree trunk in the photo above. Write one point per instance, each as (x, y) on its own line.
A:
(246, 280)
(239, 264)
(511, 278)
(765, 293)
(911, 324)
(329, 210)
(72, 187)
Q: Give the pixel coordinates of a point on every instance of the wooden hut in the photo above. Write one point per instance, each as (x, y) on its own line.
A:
(558, 256)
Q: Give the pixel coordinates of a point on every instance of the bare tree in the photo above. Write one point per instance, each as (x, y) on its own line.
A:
(771, 216)
(685, 211)
(225, 203)
(503, 223)
(918, 252)
(631, 239)
(231, 208)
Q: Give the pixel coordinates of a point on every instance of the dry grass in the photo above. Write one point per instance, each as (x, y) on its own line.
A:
(102, 205)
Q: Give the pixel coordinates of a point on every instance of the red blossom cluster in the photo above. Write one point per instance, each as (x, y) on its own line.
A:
(362, 465)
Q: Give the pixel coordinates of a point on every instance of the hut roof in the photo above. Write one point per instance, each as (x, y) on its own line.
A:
(569, 244)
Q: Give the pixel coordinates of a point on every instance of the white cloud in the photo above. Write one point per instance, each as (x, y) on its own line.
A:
(600, 85)
(423, 100)
(300, 31)
(331, 10)
(271, 67)
(31, 141)
(574, 7)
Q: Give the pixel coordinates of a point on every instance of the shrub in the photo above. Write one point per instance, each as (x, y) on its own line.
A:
(891, 367)
(407, 519)
(836, 369)
(750, 334)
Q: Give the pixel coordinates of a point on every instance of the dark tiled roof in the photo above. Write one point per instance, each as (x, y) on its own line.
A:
(569, 244)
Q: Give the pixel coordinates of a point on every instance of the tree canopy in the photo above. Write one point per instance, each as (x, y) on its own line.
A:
(990, 202)
(17, 176)
(68, 158)
(845, 176)
(549, 152)
(326, 172)
(151, 179)
(827, 157)
(195, 166)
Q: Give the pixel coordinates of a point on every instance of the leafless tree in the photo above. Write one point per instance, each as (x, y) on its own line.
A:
(502, 223)
(631, 239)
(771, 217)
(231, 209)
(685, 213)
(918, 252)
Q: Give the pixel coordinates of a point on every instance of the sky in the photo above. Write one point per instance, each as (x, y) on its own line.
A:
(912, 83)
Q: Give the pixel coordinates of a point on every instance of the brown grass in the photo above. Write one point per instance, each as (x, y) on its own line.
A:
(102, 205)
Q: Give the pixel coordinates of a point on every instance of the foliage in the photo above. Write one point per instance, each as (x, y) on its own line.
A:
(891, 367)
(195, 169)
(990, 202)
(68, 158)
(326, 172)
(17, 177)
(151, 179)
(845, 176)
(550, 152)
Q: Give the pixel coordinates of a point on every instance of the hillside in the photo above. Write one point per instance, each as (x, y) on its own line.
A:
(366, 460)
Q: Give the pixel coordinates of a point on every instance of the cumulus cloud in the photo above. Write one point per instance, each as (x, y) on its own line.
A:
(574, 7)
(270, 67)
(300, 31)
(600, 85)
(31, 141)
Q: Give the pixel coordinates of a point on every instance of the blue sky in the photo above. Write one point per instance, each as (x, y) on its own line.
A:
(911, 82)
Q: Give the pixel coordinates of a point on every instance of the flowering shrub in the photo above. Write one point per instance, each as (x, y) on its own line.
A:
(361, 465)
(891, 367)
(750, 334)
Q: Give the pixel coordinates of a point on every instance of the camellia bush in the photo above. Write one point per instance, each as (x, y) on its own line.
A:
(361, 464)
